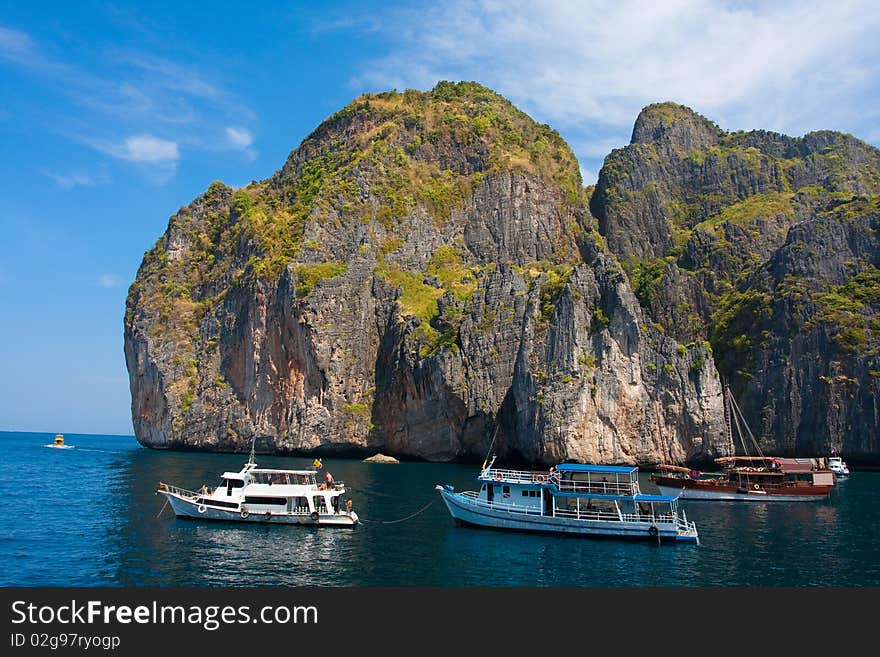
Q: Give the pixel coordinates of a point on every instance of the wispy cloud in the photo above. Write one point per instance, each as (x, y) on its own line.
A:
(124, 99)
(74, 179)
(349, 22)
(240, 139)
(14, 43)
(108, 280)
(589, 67)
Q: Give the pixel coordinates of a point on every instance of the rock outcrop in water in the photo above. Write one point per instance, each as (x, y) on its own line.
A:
(426, 269)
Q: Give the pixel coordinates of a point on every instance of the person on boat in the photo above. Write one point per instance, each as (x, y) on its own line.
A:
(328, 481)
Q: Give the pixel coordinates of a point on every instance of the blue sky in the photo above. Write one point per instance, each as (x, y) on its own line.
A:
(113, 115)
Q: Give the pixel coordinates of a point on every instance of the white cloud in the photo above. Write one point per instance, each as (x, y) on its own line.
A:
(587, 68)
(156, 157)
(588, 177)
(239, 138)
(108, 280)
(148, 149)
(142, 149)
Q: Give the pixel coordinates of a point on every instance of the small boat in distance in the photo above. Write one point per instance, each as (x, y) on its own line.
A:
(58, 443)
(749, 478)
(291, 497)
(582, 500)
(838, 466)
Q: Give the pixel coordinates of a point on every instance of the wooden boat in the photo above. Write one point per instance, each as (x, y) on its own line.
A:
(752, 479)
(749, 478)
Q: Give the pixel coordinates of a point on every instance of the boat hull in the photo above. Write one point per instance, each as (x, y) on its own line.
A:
(691, 489)
(466, 511)
(187, 508)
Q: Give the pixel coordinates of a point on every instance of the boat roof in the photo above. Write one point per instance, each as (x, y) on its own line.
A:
(608, 469)
(642, 497)
(296, 472)
(240, 475)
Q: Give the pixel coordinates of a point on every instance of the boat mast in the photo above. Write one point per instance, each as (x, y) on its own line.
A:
(251, 457)
(727, 413)
(489, 451)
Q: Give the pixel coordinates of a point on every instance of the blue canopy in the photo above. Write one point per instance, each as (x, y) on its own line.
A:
(605, 469)
(641, 497)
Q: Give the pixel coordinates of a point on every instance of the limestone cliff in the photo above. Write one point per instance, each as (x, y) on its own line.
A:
(423, 269)
(767, 246)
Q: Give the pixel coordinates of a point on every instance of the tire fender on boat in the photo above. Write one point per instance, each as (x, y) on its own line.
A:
(756, 487)
(268, 515)
(314, 516)
(653, 531)
(202, 508)
(244, 514)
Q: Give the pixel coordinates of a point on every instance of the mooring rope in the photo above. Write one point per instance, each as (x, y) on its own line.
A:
(391, 522)
(163, 507)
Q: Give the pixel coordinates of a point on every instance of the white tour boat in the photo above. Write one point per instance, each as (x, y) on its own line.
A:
(586, 500)
(838, 466)
(291, 497)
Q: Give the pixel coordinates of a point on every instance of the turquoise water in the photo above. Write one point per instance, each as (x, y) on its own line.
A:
(88, 517)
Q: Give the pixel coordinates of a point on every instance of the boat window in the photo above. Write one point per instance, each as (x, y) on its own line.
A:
(506, 491)
(320, 503)
(526, 493)
(279, 501)
(208, 500)
(232, 483)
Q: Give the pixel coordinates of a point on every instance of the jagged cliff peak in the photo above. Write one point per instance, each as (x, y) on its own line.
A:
(462, 128)
(674, 122)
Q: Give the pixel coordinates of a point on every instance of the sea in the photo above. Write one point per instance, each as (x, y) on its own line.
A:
(89, 516)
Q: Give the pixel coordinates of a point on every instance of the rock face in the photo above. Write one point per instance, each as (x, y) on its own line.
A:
(425, 270)
(767, 246)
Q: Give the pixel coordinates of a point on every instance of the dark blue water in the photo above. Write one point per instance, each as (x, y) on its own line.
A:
(88, 517)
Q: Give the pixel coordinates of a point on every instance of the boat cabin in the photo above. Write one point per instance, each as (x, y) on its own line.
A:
(589, 492)
(774, 471)
(277, 491)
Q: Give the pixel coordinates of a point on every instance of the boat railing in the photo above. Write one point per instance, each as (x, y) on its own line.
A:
(681, 524)
(176, 490)
(516, 476)
(626, 488)
(587, 514)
